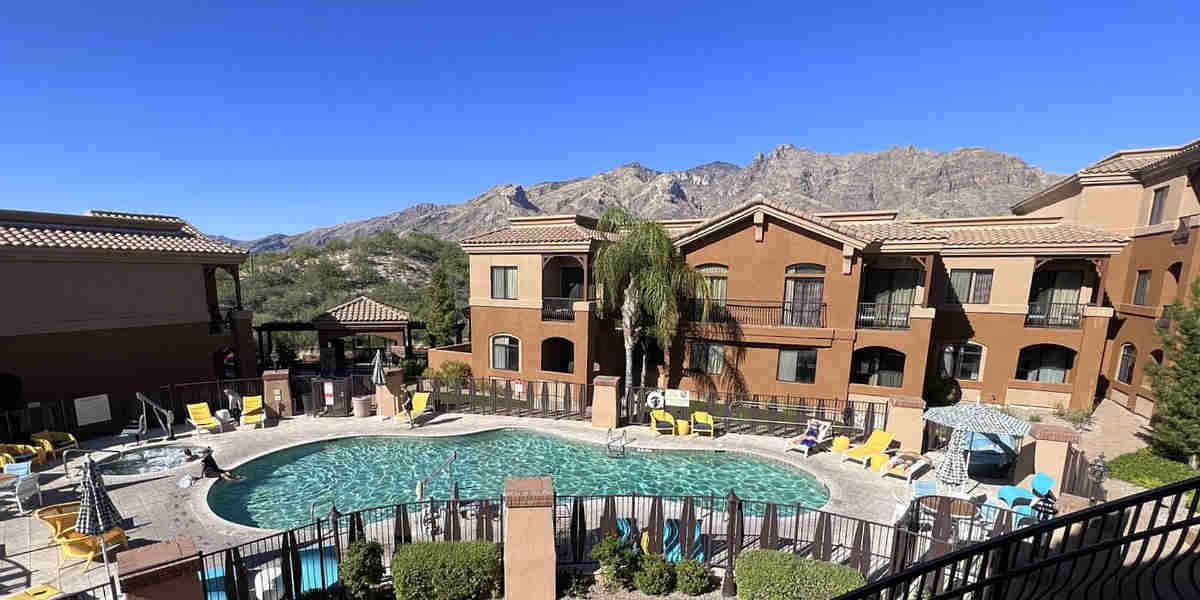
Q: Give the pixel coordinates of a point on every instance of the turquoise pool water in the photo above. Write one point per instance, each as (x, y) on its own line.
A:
(362, 472)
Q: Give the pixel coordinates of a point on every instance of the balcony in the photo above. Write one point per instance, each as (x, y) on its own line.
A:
(1055, 315)
(878, 315)
(750, 313)
(559, 309)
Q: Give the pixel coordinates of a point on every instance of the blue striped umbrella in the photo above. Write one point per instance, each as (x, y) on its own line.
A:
(975, 417)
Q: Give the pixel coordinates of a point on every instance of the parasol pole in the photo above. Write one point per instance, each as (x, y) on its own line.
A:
(103, 547)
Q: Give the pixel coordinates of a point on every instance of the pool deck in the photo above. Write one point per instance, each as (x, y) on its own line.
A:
(160, 510)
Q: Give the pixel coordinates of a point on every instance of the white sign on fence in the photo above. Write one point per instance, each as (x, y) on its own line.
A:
(678, 398)
(328, 393)
(92, 409)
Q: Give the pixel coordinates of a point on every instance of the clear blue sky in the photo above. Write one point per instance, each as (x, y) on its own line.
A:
(248, 121)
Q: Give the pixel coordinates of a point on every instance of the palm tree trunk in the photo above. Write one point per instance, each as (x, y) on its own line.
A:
(630, 308)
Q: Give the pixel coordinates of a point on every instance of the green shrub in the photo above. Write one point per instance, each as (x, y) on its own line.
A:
(575, 584)
(654, 576)
(618, 561)
(449, 371)
(691, 577)
(447, 571)
(317, 595)
(1146, 469)
(774, 575)
(941, 391)
(1034, 418)
(361, 569)
(1081, 419)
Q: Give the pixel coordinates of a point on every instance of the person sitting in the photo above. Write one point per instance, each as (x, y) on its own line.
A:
(212, 471)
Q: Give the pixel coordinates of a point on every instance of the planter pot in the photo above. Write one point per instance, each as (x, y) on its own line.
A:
(362, 406)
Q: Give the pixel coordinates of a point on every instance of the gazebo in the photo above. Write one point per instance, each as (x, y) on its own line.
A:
(361, 316)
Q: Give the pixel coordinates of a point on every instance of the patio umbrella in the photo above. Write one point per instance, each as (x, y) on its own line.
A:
(976, 418)
(377, 376)
(953, 470)
(97, 514)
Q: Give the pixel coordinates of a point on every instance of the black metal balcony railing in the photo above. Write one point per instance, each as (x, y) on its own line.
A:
(558, 309)
(750, 313)
(1164, 322)
(1055, 315)
(883, 315)
(1184, 231)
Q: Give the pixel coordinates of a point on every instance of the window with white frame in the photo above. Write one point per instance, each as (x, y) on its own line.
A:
(504, 283)
(970, 286)
(961, 361)
(506, 353)
(706, 357)
(1157, 205)
(1046, 363)
(797, 365)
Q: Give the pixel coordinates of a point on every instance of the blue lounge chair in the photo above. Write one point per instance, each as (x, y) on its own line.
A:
(674, 553)
(924, 488)
(310, 569)
(1042, 485)
(1011, 495)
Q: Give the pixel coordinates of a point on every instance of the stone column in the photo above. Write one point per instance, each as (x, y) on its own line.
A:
(277, 394)
(904, 421)
(161, 571)
(1049, 453)
(1088, 364)
(387, 397)
(530, 565)
(605, 408)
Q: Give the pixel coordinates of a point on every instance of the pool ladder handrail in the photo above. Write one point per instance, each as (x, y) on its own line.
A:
(616, 444)
(446, 465)
(69, 451)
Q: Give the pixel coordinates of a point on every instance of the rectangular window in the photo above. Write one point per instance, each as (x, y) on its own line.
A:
(1125, 368)
(1143, 284)
(970, 286)
(961, 361)
(504, 283)
(706, 357)
(797, 366)
(1156, 207)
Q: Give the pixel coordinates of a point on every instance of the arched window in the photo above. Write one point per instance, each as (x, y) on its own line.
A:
(961, 361)
(803, 291)
(1047, 363)
(558, 355)
(877, 366)
(1125, 368)
(506, 353)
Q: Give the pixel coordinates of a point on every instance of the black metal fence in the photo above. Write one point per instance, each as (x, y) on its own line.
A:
(766, 414)
(303, 559)
(1141, 546)
(883, 315)
(752, 313)
(510, 397)
(1076, 478)
(1057, 315)
(176, 397)
(104, 591)
(559, 309)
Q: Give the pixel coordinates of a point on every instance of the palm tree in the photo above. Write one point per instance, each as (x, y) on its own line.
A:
(642, 276)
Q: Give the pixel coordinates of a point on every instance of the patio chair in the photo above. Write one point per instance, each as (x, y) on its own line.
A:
(1011, 495)
(54, 443)
(201, 417)
(905, 466)
(23, 492)
(14, 453)
(1042, 485)
(662, 422)
(876, 444)
(72, 544)
(58, 517)
(420, 401)
(815, 434)
(253, 412)
(703, 424)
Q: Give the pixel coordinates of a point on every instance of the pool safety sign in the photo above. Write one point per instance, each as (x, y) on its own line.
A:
(328, 393)
(678, 398)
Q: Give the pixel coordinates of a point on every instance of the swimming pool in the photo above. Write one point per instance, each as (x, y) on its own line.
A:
(362, 472)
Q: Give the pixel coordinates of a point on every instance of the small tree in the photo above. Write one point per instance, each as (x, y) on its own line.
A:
(438, 309)
(1176, 383)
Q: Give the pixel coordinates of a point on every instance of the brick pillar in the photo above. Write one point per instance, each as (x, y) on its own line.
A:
(161, 571)
(277, 394)
(529, 558)
(1049, 453)
(904, 421)
(387, 397)
(605, 391)
(1088, 364)
(243, 343)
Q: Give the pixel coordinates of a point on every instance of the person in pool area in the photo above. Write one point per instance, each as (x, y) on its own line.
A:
(210, 468)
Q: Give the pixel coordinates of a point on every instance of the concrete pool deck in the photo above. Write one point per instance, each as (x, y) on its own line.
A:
(160, 510)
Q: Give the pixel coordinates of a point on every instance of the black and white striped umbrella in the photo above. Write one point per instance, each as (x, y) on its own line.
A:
(377, 376)
(97, 513)
(953, 470)
(975, 417)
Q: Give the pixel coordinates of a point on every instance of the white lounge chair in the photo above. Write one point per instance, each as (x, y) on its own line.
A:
(905, 466)
(815, 434)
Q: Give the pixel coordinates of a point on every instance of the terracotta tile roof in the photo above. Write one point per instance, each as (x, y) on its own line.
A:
(1059, 233)
(363, 309)
(894, 230)
(842, 228)
(107, 231)
(1122, 163)
(1189, 148)
(535, 235)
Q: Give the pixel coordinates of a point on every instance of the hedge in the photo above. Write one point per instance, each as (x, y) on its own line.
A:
(774, 575)
(447, 571)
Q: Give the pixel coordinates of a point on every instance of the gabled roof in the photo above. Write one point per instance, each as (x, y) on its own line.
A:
(362, 310)
(551, 234)
(108, 232)
(833, 230)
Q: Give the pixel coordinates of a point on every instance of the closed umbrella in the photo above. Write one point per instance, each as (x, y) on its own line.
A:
(953, 470)
(97, 514)
(377, 376)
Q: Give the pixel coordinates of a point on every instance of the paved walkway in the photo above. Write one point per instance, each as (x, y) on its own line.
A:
(158, 509)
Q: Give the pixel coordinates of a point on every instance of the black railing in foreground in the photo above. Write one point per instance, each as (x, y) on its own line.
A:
(559, 309)
(766, 414)
(290, 563)
(1057, 315)
(752, 313)
(104, 591)
(1141, 546)
(510, 397)
(883, 315)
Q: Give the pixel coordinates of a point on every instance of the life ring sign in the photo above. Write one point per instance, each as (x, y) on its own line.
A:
(655, 400)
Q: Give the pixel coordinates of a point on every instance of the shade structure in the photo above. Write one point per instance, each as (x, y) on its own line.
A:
(97, 513)
(953, 470)
(377, 376)
(974, 417)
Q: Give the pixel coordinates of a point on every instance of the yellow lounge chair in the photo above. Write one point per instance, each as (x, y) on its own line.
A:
(253, 412)
(72, 544)
(54, 443)
(10, 452)
(58, 517)
(662, 422)
(702, 424)
(201, 418)
(420, 401)
(876, 444)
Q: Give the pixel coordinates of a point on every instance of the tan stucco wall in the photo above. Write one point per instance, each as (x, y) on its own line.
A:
(527, 326)
(1111, 207)
(72, 296)
(1012, 277)
(529, 279)
(1039, 396)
